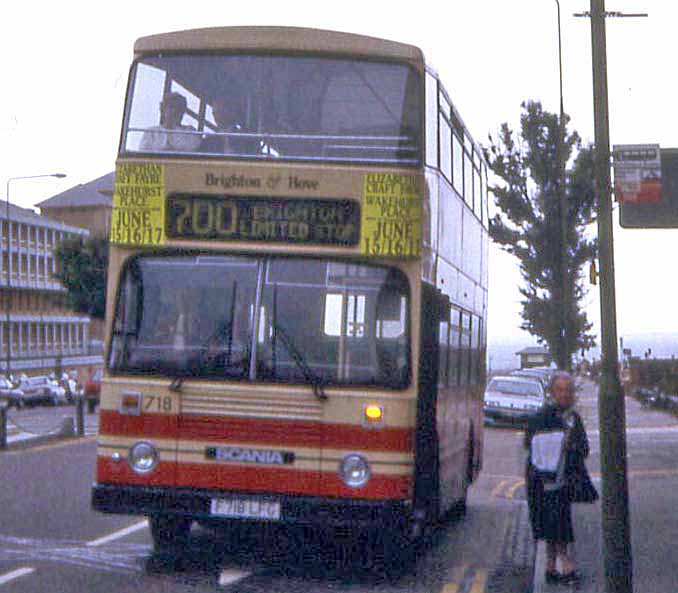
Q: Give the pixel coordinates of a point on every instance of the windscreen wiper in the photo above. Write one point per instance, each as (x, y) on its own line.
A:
(176, 383)
(309, 375)
(222, 341)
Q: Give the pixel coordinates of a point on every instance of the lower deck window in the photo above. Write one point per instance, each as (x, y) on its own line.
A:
(294, 320)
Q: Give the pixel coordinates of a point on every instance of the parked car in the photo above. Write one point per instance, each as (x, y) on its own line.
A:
(41, 389)
(93, 389)
(512, 399)
(10, 394)
(542, 374)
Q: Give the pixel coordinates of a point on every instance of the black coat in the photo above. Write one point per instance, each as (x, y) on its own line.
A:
(550, 417)
(550, 511)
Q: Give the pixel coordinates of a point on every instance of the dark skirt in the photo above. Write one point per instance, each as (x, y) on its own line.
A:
(550, 513)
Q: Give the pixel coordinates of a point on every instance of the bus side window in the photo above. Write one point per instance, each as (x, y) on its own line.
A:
(391, 342)
(465, 349)
(443, 354)
(480, 366)
(333, 314)
(353, 325)
(126, 328)
(454, 353)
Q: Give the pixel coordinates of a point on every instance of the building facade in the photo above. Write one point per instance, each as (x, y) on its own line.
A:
(39, 333)
(534, 356)
(87, 206)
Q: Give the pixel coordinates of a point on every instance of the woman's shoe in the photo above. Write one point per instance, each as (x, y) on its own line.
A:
(552, 577)
(570, 578)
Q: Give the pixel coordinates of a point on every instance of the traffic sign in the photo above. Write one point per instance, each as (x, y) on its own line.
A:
(637, 173)
(646, 186)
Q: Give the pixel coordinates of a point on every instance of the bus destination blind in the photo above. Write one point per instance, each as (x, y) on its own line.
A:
(287, 220)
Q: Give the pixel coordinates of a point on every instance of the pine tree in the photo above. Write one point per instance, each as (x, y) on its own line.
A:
(529, 225)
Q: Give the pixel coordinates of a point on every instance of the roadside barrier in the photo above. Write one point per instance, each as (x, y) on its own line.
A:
(80, 414)
(64, 427)
(44, 432)
(3, 425)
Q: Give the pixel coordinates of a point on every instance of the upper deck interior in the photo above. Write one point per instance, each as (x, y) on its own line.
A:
(276, 93)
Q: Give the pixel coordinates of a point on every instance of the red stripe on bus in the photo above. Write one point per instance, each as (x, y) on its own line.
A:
(379, 487)
(159, 426)
(271, 480)
(119, 472)
(257, 431)
(285, 481)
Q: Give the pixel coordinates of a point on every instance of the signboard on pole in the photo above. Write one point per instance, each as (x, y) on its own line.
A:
(637, 173)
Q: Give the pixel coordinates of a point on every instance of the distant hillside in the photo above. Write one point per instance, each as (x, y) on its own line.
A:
(501, 351)
(662, 345)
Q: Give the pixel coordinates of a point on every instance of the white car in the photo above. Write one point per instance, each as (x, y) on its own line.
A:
(10, 394)
(543, 374)
(42, 389)
(512, 399)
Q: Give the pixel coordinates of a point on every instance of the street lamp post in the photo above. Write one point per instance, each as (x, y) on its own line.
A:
(8, 283)
(564, 359)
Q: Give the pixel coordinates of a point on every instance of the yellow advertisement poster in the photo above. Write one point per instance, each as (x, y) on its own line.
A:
(138, 216)
(390, 224)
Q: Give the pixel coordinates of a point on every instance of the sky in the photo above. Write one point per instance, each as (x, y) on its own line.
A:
(66, 68)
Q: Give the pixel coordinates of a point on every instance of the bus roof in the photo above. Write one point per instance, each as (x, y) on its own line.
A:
(283, 39)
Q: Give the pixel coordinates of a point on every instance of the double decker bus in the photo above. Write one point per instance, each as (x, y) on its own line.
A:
(297, 287)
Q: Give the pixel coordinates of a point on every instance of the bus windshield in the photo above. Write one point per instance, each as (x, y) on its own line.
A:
(311, 320)
(282, 107)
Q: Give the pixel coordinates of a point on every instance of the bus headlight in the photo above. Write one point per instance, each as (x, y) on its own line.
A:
(143, 457)
(354, 470)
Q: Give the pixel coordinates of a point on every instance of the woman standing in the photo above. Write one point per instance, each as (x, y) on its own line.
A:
(555, 473)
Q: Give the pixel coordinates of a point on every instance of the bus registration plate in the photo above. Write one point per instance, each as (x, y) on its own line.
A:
(246, 508)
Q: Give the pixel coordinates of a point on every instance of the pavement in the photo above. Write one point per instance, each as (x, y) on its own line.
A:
(26, 432)
(587, 553)
(586, 518)
(649, 519)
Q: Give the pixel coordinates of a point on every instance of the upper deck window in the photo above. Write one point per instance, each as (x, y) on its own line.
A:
(261, 107)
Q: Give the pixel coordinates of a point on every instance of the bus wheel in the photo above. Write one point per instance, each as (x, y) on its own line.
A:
(169, 533)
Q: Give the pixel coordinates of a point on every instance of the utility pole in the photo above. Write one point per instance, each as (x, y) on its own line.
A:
(617, 557)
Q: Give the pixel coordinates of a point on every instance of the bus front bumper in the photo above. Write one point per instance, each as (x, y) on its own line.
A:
(303, 510)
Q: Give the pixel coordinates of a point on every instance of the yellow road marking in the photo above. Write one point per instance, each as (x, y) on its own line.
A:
(496, 491)
(503, 489)
(499, 476)
(450, 588)
(480, 582)
(512, 490)
(456, 578)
